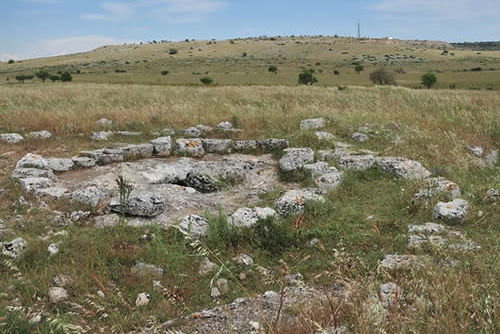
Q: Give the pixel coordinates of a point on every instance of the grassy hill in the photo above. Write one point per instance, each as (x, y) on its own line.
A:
(246, 62)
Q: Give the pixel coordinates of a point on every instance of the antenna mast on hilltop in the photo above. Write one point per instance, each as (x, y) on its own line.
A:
(359, 31)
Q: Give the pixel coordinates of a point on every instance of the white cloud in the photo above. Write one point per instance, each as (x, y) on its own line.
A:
(67, 45)
(8, 56)
(174, 11)
(442, 9)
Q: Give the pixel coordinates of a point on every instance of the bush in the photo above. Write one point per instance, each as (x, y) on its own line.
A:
(429, 80)
(476, 69)
(23, 77)
(65, 76)
(272, 69)
(359, 68)
(11, 61)
(54, 78)
(336, 72)
(120, 71)
(244, 54)
(172, 51)
(43, 75)
(307, 77)
(382, 77)
(165, 72)
(206, 80)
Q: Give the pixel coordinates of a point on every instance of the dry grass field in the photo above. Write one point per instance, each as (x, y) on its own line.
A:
(361, 221)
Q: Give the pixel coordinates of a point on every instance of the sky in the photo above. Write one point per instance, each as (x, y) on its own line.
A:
(39, 28)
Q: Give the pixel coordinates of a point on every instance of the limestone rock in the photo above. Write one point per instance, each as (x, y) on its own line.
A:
(389, 294)
(31, 160)
(245, 145)
(190, 147)
(222, 285)
(90, 196)
(403, 168)
(44, 134)
(100, 135)
(329, 180)
(140, 203)
(57, 295)
(243, 259)
(356, 162)
(84, 162)
(53, 248)
(220, 146)
(60, 164)
(247, 217)
(436, 186)
(167, 132)
(143, 299)
(104, 122)
(476, 150)
(293, 201)
(13, 248)
(325, 136)
(104, 156)
(401, 261)
(192, 132)
(139, 151)
(162, 146)
(204, 128)
(195, 225)
(11, 138)
(225, 125)
(312, 123)
(296, 158)
(272, 144)
(206, 266)
(359, 137)
(21, 173)
(35, 183)
(454, 211)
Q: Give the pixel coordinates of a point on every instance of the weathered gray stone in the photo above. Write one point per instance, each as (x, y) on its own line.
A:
(491, 158)
(84, 162)
(403, 168)
(162, 146)
(192, 132)
(293, 201)
(330, 180)
(245, 145)
(225, 125)
(296, 158)
(11, 138)
(206, 266)
(454, 211)
(21, 173)
(104, 156)
(319, 168)
(326, 155)
(476, 150)
(272, 144)
(143, 299)
(167, 132)
(57, 295)
(31, 160)
(220, 146)
(360, 137)
(13, 248)
(142, 269)
(325, 136)
(35, 183)
(44, 134)
(138, 151)
(356, 162)
(204, 128)
(401, 261)
(194, 225)
(312, 124)
(222, 285)
(60, 164)
(389, 294)
(90, 196)
(437, 186)
(54, 192)
(243, 259)
(247, 217)
(140, 203)
(190, 147)
(104, 122)
(128, 133)
(201, 182)
(100, 135)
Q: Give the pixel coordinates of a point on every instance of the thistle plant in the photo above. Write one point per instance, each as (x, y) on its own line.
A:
(125, 189)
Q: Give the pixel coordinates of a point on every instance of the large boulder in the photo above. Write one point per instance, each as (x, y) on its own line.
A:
(60, 164)
(454, 211)
(140, 203)
(11, 138)
(201, 182)
(220, 146)
(190, 147)
(293, 201)
(194, 225)
(90, 196)
(403, 168)
(312, 123)
(296, 158)
(162, 146)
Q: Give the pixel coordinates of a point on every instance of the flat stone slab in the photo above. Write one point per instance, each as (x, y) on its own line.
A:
(451, 212)
(293, 201)
(403, 168)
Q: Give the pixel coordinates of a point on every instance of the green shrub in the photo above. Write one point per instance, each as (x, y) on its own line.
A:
(43, 75)
(54, 78)
(359, 68)
(336, 72)
(429, 80)
(120, 70)
(65, 77)
(382, 77)
(11, 61)
(206, 80)
(172, 51)
(306, 77)
(272, 69)
(22, 77)
(165, 72)
(244, 54)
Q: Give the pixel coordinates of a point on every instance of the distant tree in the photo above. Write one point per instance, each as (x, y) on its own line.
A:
(54, 78)
(65, 76)
(22, 77)
(382, 77)
(306, 77)
(359, 68)
(42, 75)
(429, 80)
(272, 69)
(206, 80)
(172, 51)
(11, 61)
(164, 72)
